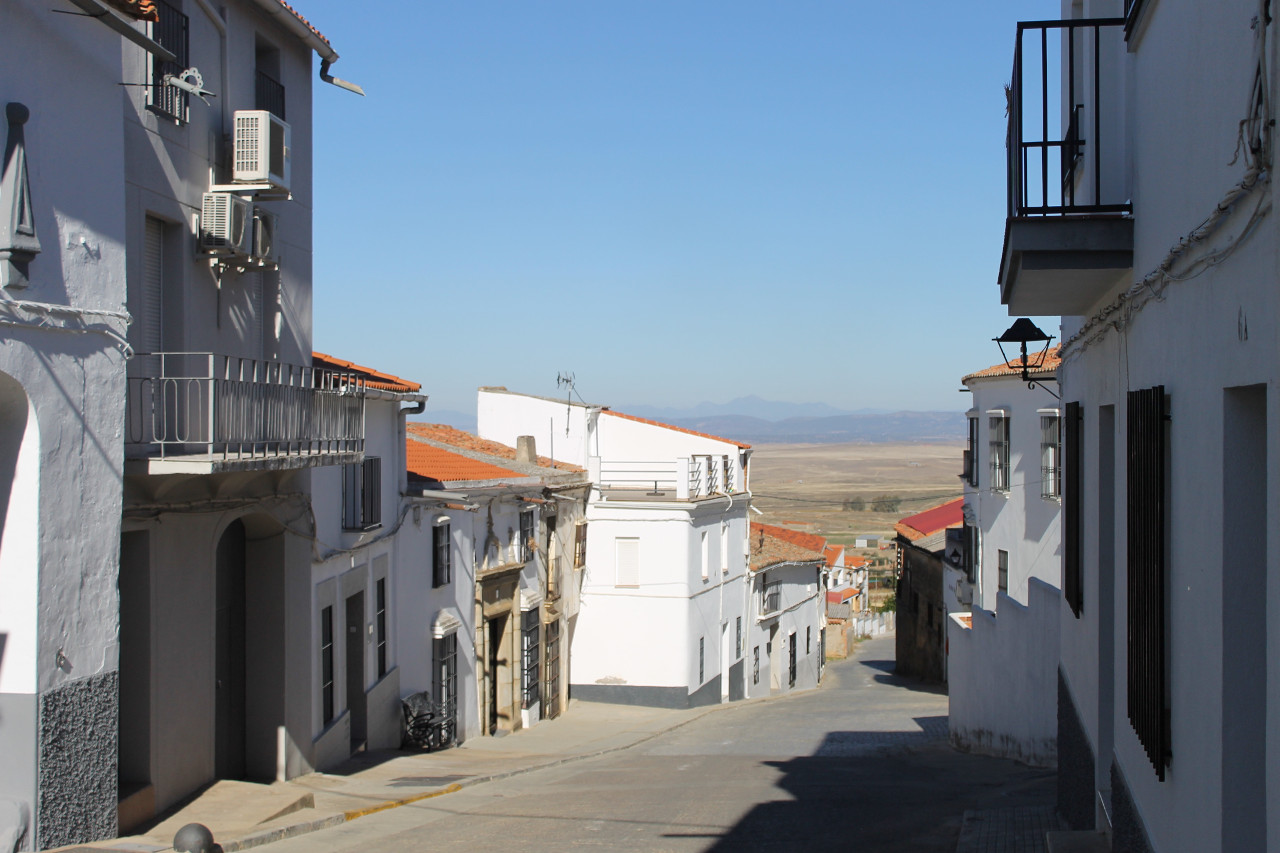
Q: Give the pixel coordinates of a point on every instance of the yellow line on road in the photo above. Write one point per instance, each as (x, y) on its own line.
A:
(391, 804)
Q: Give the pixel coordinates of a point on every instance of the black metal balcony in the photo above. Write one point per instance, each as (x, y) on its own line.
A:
(269, 94)
(1068, 236)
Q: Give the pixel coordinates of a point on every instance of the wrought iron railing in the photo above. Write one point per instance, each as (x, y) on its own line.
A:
(171, 31)
(1056, 119)
(269, 94)
(186, 404)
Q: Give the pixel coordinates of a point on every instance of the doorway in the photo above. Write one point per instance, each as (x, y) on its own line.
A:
(725, 661)
(229, 655)
(356, 703)
(498, 696)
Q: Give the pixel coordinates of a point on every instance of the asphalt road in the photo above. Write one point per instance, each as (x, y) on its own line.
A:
(860, 764)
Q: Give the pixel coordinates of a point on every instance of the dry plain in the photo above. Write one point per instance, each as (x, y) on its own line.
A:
(806, 486)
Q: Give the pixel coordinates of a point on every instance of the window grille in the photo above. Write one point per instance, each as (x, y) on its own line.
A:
(791, 654)
(579, 544)
(268, 94)
(326, 663)
(381, 620)
(551, 703)
(1000, 453)
(530, 645)
(444, 684)
(526, 535)
(1148, 640)
(362, 494)
(737, 632)
(971, 460)
(702, 646)
(728, 474)
(171, 32)
(1072, 580)
(1050, 456)
(1002, 559)
(442, 563)
(755, 665)
(808, 640)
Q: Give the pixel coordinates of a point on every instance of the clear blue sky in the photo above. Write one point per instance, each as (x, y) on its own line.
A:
(677, 201)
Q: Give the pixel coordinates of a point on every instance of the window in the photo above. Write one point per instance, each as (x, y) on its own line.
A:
(444, 683)
(326, 663)
(1050, 455)
(737, 633)
(268, 92)
(808, 640)
(527, 542)
(171, 32)
(531, 649)
(755, 665)
(552, 699)
(1000, 452)
(702, 647)
(971, 454)
(362, 494)
(627, 557)
(791, 655)
(728, 474)
(724, 547)
(579, 544)
(553, 559)
(1148, 633)
(442, 565)
(970, 556)
(380, 589)
(706, 556)
(1002, 560)
(1072, 582)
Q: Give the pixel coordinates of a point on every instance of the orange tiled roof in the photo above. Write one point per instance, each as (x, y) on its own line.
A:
(294, 12)
(1013, 368)
(833, 553)
(922, 524)
(428, 462)
(676, 428)
(854, 562)
(373, 378)
(771, 545)
(448, 435)
(808, 541)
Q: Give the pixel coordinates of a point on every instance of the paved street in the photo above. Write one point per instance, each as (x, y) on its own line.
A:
(861, 763)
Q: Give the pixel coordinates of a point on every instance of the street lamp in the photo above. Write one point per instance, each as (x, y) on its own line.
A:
(1023, 332)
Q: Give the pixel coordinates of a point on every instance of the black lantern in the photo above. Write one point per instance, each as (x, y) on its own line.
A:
(1024, 332)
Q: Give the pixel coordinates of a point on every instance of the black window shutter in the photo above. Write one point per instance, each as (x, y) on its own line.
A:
(1147, 575)
(1072, 580)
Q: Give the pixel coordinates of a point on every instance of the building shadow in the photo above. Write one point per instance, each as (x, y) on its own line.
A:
(890, 791)
(885, 674)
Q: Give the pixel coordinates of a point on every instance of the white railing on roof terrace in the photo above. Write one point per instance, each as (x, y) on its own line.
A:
(190, 404)
(682, 478)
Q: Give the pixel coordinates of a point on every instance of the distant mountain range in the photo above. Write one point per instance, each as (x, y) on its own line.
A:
(757, 421)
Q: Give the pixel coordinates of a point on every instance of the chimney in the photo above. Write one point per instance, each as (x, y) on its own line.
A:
(525, 450)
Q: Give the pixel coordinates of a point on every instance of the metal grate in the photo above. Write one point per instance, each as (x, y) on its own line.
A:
(172, 32)
(1072, 581)
(444, 683)
(1000, 453)
(268, 94)
(1148, 703)
(552, 699)
(441, 566)
(531, 647)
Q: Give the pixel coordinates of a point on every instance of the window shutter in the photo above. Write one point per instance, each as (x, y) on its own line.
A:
(1072, 580)
(1148, 704)
(628, 557)
(151, 308)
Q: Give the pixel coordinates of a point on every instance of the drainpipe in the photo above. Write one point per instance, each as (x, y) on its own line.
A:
(402, 436)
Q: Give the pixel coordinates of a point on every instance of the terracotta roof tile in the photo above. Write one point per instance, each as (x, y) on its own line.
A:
(446, 434)
(922, 524)
(308, 24)
(373, 378)
(1014, 368)
(771, 545)
(676, 428)
(426, 462)
(833, 553)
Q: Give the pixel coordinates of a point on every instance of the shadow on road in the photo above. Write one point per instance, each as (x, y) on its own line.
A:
(892, 791)
(885, 675)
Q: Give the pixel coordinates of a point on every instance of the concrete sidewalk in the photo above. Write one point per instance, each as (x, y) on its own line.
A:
(243, 815)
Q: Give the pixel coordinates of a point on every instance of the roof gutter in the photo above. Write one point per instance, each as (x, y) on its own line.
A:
(291, 22)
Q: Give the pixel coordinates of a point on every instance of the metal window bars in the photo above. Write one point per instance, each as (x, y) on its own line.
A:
(268, 94)
(172, 31)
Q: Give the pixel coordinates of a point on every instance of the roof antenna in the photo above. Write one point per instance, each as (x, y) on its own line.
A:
(565, 380)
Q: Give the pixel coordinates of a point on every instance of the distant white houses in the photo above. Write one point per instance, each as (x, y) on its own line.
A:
(788, 605)
(666, 557)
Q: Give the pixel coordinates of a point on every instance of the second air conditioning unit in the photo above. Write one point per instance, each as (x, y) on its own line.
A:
(262, 154)
(265, 228)
(226, 225)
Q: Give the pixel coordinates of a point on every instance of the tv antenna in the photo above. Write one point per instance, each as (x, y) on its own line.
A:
(566, 379)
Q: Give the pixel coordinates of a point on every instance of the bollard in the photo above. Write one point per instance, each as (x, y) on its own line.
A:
(194, 838)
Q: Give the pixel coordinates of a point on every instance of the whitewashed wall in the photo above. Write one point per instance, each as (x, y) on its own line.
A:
(1003, 678)
(803, 601)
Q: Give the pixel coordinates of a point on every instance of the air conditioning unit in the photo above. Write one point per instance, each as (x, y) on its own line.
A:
(265, 249)
(262, 153)
(226, 225)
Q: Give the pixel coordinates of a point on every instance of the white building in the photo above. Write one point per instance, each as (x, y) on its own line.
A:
(490, 569)
(145, 657)
(1001, 671)
(1161, 256)
(357, 580)
(666, 573)
(786, 637)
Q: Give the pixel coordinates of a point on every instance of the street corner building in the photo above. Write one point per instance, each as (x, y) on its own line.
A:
(924, 599)
(788, 597)
(160, 413)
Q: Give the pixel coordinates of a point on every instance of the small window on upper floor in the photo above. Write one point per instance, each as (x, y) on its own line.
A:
(362, 494)
(172, 31)
(527, 542)
(1000, 474)
(268, 91)
(1050, 454)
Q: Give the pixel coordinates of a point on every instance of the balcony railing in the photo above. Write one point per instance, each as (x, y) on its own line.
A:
(771, 598)
(1058, 118)
(683, 478)
(243, 410)
(269, 94)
